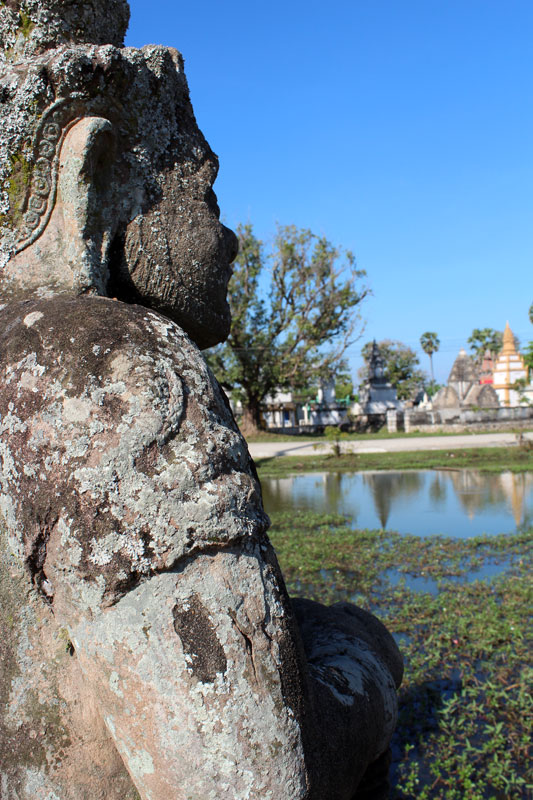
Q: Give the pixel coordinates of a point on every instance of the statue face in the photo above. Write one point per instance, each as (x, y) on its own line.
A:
(119, 199)
(177, 255)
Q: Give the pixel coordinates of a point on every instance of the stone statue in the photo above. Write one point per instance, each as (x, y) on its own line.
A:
(148, 646)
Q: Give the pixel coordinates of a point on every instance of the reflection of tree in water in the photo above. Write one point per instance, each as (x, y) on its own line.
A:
(278, 494)
(437, 490)
(316, 491)
(333, 490)
(387, 486)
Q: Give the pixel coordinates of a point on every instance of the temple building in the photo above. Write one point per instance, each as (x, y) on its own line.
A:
(377, 395)
(464, 388)
(508, 369)
(487, 368)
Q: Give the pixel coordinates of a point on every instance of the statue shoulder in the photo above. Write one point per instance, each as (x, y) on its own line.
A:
(116, 440)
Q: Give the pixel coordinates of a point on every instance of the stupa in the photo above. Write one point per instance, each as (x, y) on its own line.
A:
(508, 369)
(378, 395)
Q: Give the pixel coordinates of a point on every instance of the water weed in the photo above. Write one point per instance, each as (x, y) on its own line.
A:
(466, 713)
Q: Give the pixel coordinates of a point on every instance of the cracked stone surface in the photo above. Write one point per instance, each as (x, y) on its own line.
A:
(148, 648)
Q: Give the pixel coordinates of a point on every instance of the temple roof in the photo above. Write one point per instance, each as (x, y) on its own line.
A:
(464, 369)
(509, 357)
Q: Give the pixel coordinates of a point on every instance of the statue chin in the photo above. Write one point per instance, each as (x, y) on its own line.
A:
(207, 335)
(204, 322)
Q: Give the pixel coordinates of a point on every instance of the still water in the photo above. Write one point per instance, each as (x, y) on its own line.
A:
(457, 503)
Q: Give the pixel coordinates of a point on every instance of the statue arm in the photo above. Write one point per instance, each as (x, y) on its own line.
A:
(192, 670)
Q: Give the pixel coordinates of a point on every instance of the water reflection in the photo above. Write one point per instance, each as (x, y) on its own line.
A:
(457, 503)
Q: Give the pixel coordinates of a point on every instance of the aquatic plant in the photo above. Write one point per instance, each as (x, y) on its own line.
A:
(466, 712)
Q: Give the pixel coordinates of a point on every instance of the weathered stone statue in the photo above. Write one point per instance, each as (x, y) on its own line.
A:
(148, 647)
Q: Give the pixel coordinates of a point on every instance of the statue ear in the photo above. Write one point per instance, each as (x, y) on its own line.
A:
(84, 201)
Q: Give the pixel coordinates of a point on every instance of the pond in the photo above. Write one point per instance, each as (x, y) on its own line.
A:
(458, 503)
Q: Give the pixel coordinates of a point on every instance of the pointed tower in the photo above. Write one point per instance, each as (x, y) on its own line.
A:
(377, 395)
(463, 375)
(509, 368)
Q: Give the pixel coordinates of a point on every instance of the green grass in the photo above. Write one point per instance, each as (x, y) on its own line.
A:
(488, 459)
(466, 712)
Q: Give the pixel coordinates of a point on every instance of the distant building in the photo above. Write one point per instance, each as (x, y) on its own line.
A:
(464, 388)
(287, 410)
(280, 410)
(508, 369)
(377, 395)
(487, 368)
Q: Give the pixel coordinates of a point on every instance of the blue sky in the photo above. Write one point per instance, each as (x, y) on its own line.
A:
(400, 129)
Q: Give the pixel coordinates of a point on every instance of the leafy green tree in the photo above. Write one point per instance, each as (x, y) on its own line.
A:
(487, 339)
(298, 334)
(401, 367)
(430, 343)
(527, 355)
(522, 383)
(432, 388)
(528, 352)
(344, 387)
(483, 339)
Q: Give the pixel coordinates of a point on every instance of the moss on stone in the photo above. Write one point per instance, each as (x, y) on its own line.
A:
(26, 25)
(64, 638)
(17, 187)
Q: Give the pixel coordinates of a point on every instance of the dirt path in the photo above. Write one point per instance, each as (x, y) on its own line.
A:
(309, 448)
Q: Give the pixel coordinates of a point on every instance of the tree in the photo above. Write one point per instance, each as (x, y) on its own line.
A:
(344, 387)
(432, 388)
(483, 339)
(401, 367)
(527, 355)
(528, 352)
(430, 343)
(299, 334)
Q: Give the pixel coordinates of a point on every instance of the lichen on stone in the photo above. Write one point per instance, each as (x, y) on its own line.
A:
(32, 26)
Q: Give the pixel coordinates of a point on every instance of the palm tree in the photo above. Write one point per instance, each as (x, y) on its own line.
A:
(429, 343)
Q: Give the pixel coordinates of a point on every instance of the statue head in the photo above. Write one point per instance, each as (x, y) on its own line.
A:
(106, 180)
(30, 26)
